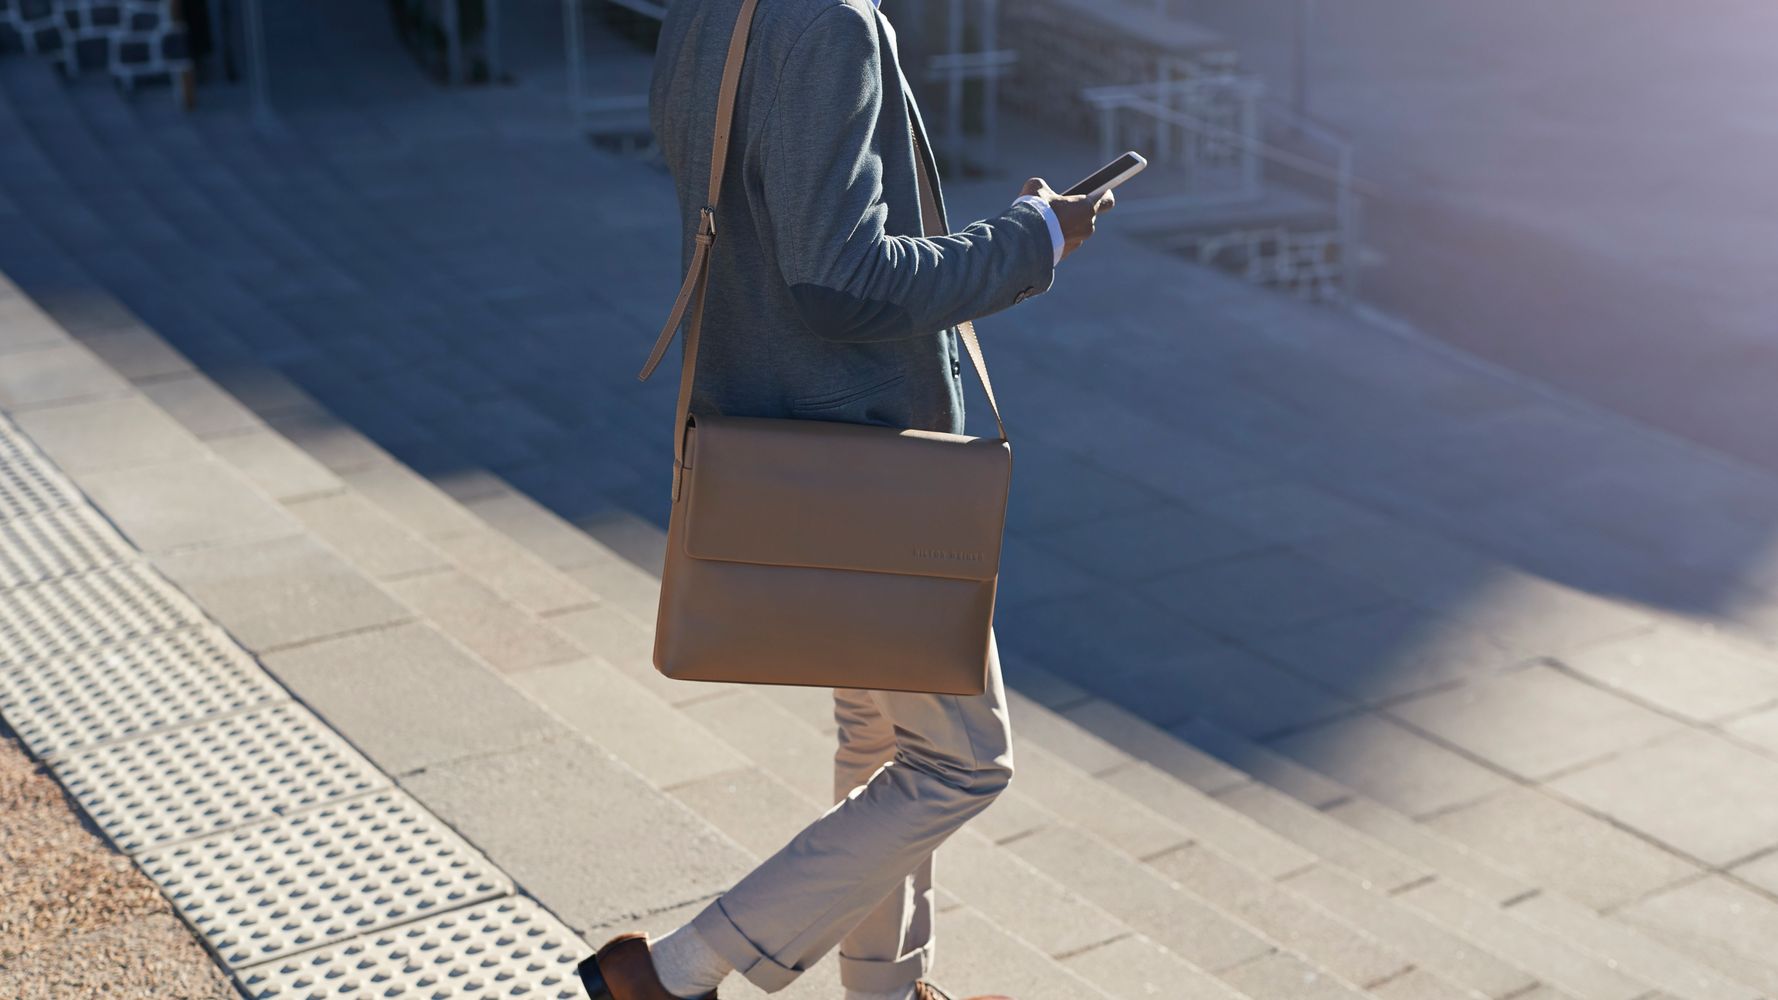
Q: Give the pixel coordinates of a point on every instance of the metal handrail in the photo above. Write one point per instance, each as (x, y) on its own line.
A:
(1150, 99)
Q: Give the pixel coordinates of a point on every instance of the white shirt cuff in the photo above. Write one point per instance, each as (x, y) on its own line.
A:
(1049, 216)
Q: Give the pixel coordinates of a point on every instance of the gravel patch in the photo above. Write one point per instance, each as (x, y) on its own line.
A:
(77, 919)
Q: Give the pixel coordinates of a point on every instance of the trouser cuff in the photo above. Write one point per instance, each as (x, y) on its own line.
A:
(713, 924)
(885, 975)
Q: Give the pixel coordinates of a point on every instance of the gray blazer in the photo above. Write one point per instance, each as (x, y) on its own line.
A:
(823, 302)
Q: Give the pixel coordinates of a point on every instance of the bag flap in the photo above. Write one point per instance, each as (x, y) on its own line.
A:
(845, 496)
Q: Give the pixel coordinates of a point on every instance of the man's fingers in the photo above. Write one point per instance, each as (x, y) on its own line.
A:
(1105, 203)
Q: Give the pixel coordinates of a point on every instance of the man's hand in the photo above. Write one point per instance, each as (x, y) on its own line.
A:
(1073, 211)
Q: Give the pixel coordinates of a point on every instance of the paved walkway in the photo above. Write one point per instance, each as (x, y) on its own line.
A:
(1460, 615)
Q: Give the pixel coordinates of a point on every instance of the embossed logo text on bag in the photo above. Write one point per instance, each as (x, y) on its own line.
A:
(952, 554)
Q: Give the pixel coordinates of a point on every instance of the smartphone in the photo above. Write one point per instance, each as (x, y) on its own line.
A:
(1110, 175)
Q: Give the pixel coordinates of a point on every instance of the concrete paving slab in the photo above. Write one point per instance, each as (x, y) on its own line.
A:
(402, 693)
(1761, 872)
(1134, 967)
(574, 844)
(1178, 758)
(1434, 946)
(202, 406)
(24, 327)
(1723, 923)
(328, 440)
(1077, 636)
(1388, 652)
(1000, 963)
(1327, 839)
(1534, 722)
(275, 465)
(1449, 859)
(1287, 513)
(280, 592)
(1058, 488)
(374, 542)
(1640, 955)
(108, 434)
(1228, 685)
(1077, 746)
(136, 352)
(177, 505)
(1260, 763)
(412, 500)
(1209, 821)
(1697, 676)
(1551, 960)
(1146, 543)
(1543, 617)
(1293, 921)
(504, 635)
(1563, 848)
(1281, 975)
(1131, 892)
(1758, 728)
(515, 573)
(1419, 984)
(1091, 805)
(1389, 763)
(1696, 792)
(58, 373)
(614, 711)
(533, 526)
(1265, 593)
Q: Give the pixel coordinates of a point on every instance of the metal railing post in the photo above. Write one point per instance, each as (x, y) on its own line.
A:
(571, 27)
(1250, 147)
(991, 84)
(453, 28)
(954, 89)
(491, 39)
(253, 27)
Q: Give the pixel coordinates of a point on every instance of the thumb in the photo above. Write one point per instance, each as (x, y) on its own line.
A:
(1032, 186)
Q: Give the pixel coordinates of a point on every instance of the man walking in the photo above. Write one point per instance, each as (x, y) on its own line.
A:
(826, 303)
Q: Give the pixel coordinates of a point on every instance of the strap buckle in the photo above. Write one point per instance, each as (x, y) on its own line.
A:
(706, 223)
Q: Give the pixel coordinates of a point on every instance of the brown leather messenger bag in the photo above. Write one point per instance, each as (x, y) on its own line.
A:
(819, 553)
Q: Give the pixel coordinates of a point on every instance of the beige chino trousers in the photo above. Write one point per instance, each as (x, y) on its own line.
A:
(909, 770)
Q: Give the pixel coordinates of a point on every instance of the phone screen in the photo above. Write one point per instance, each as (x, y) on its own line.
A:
(1104, 175)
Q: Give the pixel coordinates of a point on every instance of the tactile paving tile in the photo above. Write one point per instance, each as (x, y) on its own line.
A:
(506, 948)
(321, 876)
(199, 779)
(57, 544)
(114, 604)
(130, 688)
(29, 484)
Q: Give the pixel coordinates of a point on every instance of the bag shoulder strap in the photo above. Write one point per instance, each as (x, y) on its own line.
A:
(696, 282)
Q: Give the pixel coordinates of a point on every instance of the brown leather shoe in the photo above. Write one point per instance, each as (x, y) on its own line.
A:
(924, 990)
(622, 970)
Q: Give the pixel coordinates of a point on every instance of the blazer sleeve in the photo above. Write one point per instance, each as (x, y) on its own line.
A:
(823, 194)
